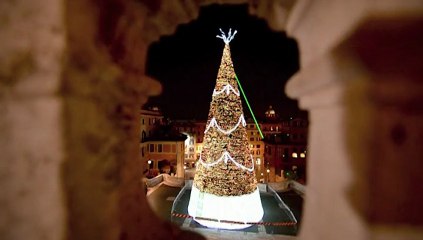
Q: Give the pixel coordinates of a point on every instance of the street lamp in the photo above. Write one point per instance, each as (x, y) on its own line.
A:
(268, 171)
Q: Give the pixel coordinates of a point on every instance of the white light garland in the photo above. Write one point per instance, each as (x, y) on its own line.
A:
(226, 88)
(213, 123)
(225, 157)
(228, 38)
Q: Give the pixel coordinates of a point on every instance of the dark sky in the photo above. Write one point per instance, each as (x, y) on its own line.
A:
(187, 62)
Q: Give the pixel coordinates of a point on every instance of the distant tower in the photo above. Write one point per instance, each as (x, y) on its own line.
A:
(270, 113)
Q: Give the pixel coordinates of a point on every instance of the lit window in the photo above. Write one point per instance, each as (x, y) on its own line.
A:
(258, 161)
(294, 155)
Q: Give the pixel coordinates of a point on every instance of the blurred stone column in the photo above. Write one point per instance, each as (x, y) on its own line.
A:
(31, 138)
(360, 80)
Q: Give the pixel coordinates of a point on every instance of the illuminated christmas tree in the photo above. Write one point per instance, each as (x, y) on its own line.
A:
(224, 192)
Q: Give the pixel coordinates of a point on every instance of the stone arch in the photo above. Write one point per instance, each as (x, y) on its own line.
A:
(113, 41)
(326, 60)
(74, 84)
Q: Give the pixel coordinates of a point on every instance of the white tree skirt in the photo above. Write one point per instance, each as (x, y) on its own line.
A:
(243, 209)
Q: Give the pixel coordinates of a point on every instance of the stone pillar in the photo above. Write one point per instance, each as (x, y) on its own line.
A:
(31, 138)
(358, 80)
(328, 212)
(390, 51)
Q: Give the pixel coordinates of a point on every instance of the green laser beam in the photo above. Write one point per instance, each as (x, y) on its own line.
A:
(249, 107)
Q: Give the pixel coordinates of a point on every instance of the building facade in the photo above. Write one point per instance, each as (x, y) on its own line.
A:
(194, 131)
(162, 150)
(149, 118)
(256, 149)
(164, 155)
(286, 151)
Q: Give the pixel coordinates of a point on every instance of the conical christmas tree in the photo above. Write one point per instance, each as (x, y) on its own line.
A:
(224, 192)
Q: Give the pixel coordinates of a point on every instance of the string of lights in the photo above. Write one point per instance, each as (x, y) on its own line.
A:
(226, 39)
(225, 157)
(226, 89)
(213, 123)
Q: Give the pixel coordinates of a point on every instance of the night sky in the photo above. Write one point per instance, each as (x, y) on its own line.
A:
(187, 62)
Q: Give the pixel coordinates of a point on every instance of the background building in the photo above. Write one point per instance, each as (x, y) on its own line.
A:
(257, 149)
(285, 146)
(286, 151)
(194, 131)
(162, 149)
(149, 118)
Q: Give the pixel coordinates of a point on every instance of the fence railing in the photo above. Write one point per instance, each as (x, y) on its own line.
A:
(298, 187)
(166, 179)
